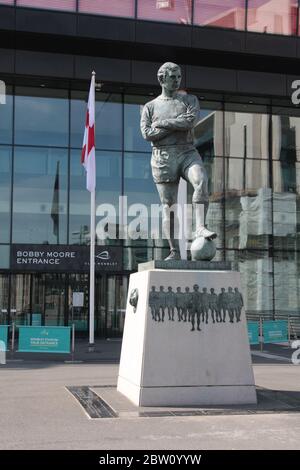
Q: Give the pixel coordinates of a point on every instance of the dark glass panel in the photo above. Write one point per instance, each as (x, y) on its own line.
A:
(116, 305)
(6, 112)
(133, 139)
(42, 117)
(5, 187)
(48, 296)
(79, 316)
(40, 195)
(209, 130)
(20, 302)
(4, 282)
(4, 256)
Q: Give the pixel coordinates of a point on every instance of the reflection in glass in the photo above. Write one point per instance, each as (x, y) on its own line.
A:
(286, 177)
(256, 270)
(248, 204)
(108, 190)
(41, 117)
(116, 304)
(209, 130)
(6, 120)
(79, 316)
(133, 139)
(5, 186)
(246, 132)
(48, 294)
(175, 11)
(108, 115)
(140, 189)
(272, 16)
(40, 195)
(69, 5)
(4, 256)
(20, 302)
(4, 282)
(286, 282)
(133, 256)
(120, 8)
(229, 14)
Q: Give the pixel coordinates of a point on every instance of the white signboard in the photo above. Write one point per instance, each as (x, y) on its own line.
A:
(78, 298)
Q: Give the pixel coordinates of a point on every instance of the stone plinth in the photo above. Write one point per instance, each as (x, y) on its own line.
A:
(165, 359)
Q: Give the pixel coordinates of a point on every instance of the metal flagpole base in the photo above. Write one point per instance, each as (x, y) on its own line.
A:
(91, 347)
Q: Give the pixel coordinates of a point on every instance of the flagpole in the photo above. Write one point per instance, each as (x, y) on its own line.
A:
(92, 266)
(92, 271)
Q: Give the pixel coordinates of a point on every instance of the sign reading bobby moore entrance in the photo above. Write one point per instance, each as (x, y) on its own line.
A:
(66, 258)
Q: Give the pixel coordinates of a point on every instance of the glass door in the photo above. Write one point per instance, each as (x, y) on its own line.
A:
(78, 304)
(3, 299)
(100, 306)
(54, 301)
(117, 287)
(20, 302)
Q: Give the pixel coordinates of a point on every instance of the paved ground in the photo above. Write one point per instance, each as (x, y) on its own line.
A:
(38, 412)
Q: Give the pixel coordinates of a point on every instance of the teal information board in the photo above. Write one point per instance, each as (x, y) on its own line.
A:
(54, 339)
(4, 334)
(275, 331)
(253, 332)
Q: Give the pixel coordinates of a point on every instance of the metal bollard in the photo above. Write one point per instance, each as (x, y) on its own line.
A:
(2, 352)
(261, 334)
(13, 339)
(73, 341)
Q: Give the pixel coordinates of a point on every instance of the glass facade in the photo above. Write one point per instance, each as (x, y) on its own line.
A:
(229, 14)
(262, 16)
(250, 151)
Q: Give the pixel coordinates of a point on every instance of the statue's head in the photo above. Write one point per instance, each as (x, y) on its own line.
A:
(169, 76)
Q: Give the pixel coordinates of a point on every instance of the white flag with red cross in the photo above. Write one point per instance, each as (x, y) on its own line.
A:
(88, 157)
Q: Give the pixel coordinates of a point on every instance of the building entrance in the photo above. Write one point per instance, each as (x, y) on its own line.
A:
(48, 299)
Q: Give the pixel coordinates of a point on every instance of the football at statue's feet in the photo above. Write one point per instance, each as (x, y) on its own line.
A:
(203, 249)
